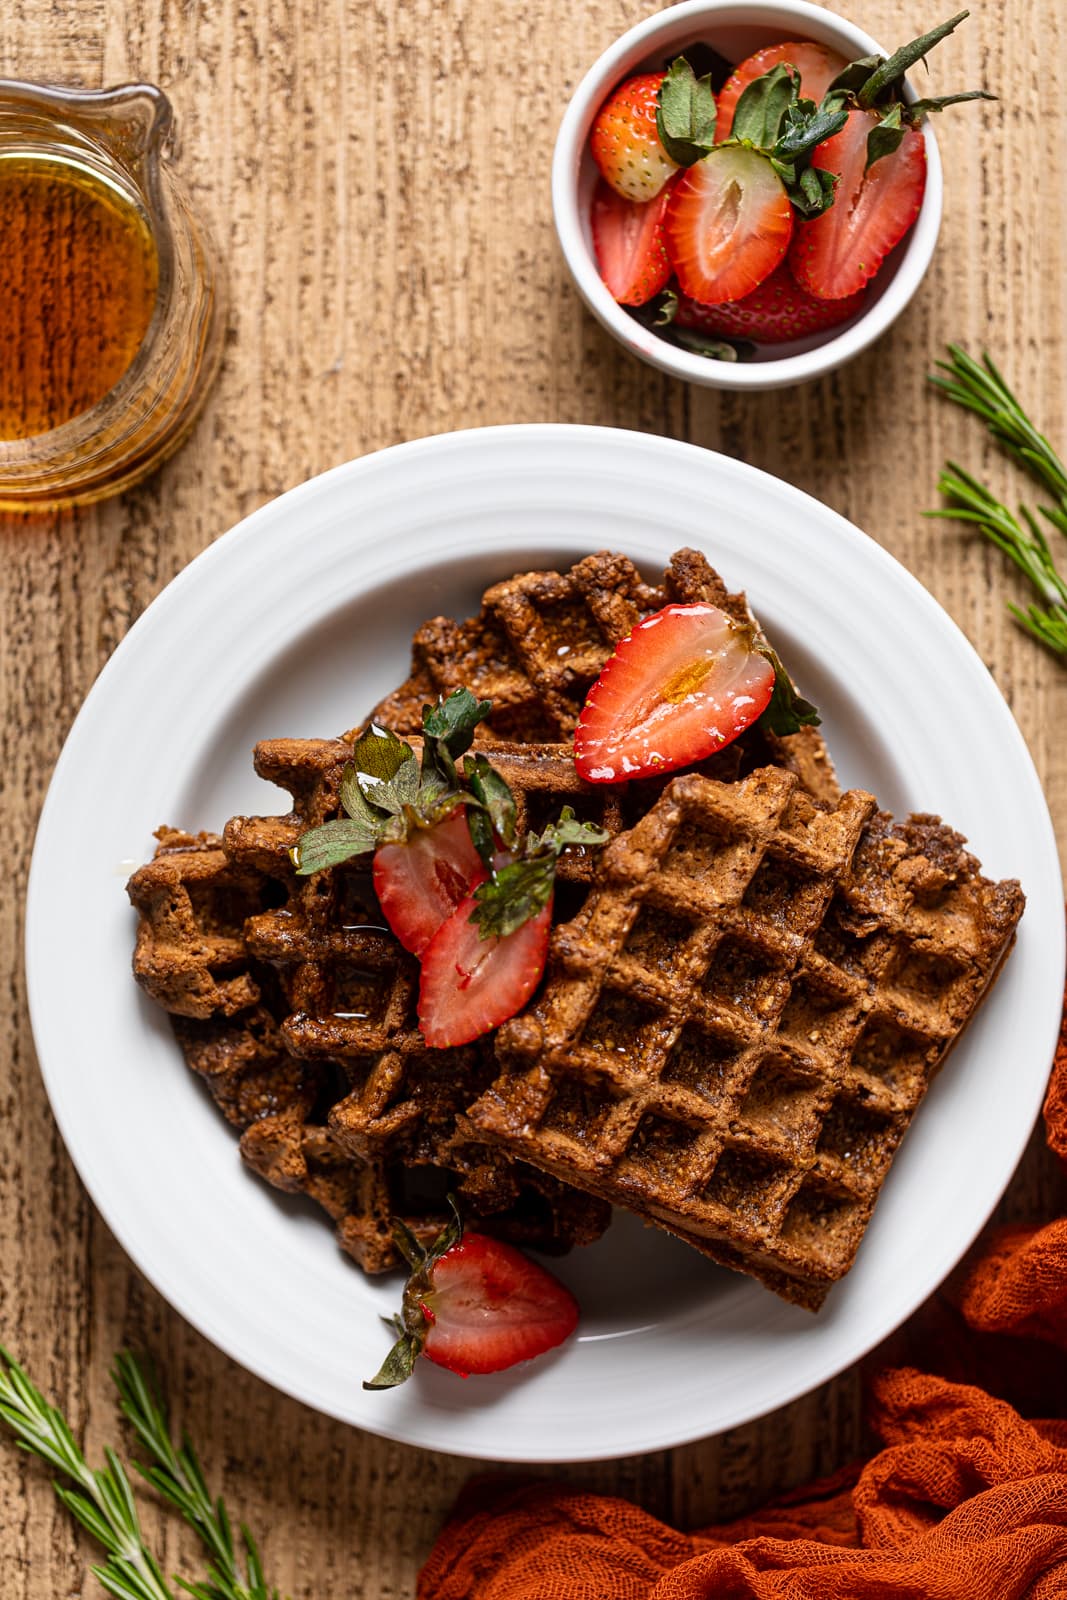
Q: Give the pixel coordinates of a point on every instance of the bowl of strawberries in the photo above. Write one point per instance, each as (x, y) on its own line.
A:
(748, 195)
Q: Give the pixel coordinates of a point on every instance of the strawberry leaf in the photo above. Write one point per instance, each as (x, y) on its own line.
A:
(803, 128)
(888, 73)
(813, 192)
(685, 114)
(398, 1365)
(849, 81)
(379, 754)
(497, 820)
(512, 896)
(762, 108)
(448, 732)
(394, 796)
(702, 344)
(522, 889)
(877, 82)
(413, 1324)
(885, 137)
(354, 801)
(787, 711)
(922, 108)
(331, 844)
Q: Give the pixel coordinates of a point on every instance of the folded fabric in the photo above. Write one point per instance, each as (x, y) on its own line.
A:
(966, 1501)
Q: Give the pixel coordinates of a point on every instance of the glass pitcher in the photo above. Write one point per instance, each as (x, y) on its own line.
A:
(101, 149)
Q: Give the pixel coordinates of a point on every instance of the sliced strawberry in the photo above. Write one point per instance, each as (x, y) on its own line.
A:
(470, 984)
(835, 254)
(624, 141)
(778, 310)
(818, 67)
(728, 225)
(472, 1305)
(491, 1307)
(629, 244)
(421, 882)
(682, 685)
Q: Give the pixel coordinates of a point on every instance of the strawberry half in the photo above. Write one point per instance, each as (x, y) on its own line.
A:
(625, 143)
(682, 685)
(818, 67)
(775, 312)
(474, 1305)
(492, 1307)
(471, 984)
(420, 882)
(629, 244)
(486, 960)
(728, 225)
(835, 254)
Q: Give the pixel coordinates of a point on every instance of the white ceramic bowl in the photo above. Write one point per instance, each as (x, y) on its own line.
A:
(735, 31)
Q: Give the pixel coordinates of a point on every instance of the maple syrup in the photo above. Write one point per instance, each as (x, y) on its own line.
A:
(79, 278)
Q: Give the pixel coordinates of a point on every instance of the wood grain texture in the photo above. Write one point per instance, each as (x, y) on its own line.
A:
(376, 175)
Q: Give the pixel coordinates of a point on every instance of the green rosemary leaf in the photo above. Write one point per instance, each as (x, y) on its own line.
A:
(102, 1500)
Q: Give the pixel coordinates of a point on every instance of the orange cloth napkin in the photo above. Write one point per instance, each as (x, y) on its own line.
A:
(966, 1501)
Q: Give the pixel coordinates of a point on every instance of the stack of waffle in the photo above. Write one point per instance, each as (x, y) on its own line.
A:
(748, 991)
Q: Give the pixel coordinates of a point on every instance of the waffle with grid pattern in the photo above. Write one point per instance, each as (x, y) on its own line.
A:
(230, 1010)
(541, 640)
(738, 1026)
(350, 996)
(192, 902)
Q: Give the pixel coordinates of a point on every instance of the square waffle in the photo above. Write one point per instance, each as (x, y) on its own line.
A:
(739, 1024)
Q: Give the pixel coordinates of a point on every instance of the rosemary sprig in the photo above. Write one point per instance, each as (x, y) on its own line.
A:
(979, 387)
(102, 1500)
(178, 1476)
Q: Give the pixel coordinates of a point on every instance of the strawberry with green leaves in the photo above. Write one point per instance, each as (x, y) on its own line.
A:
(413, 816)
(474, 1305)
(456, 885)
(645, 131)
(819, 161)
(486, 960)
(817, 65)
(650, 126)
(730, 217)
(879, 158)
(684, 684)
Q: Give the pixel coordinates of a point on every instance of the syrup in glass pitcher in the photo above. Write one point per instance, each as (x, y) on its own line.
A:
(110, 297)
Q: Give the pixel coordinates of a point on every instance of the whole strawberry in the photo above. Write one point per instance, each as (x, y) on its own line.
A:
(650, 126)
(777, 311)
(624, 141)
(473, 1305)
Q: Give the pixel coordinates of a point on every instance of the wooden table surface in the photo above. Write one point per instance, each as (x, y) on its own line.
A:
(376, 175)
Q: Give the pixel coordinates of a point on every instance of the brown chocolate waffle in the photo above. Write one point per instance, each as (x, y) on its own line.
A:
(350, 994)
(541, 640)
(193, 901)
(394, 1152)
(738, 1026)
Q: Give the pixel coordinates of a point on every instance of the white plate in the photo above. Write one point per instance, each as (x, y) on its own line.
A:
(295, 623)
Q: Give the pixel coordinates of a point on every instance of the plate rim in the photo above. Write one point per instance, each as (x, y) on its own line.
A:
(199, 569)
